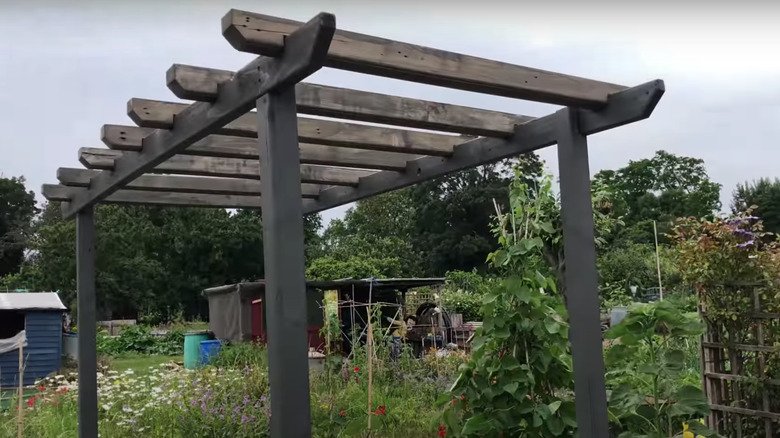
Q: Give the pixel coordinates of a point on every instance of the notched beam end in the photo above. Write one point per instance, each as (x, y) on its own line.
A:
(305, 50)
(195, 83)
(629, 106)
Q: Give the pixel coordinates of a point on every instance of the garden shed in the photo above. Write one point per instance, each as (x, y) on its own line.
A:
(237, 312)
(35, 320)
(216, 152)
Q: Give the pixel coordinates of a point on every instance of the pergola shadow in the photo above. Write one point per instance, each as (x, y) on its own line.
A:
(212, 153)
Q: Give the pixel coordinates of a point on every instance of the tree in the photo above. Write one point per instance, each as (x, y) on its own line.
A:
(661, 188)
(764, 194)
(17, 209)
(452, 214)
(373, 239)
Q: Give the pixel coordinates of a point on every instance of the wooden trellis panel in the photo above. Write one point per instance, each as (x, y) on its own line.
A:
(741, 373)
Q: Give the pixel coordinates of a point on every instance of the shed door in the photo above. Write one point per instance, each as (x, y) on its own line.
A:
(258, 328)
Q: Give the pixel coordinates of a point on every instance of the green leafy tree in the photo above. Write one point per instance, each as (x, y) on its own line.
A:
(453, 214)
(764, 195)
(17, 209)
(661, 188)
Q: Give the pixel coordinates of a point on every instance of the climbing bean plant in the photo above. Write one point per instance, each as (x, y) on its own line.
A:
(518, 381)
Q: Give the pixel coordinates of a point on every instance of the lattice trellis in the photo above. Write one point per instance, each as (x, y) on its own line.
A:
(741, 369)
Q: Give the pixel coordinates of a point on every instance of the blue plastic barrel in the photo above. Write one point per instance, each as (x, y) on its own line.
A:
(209, 350)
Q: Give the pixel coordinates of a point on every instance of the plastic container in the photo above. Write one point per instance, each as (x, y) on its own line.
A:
(70, 345)
(192, 342)
(209, 350)
(617, 314)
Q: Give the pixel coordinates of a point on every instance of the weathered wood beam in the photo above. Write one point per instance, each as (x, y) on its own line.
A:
(160, 115)
(129, 138)
(303, 53)
(264, 35)
(625, 107)
(137, 197)
(105, 159)
(199, 83)
(180, 184)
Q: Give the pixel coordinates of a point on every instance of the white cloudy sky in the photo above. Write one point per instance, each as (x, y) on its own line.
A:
(67, 67)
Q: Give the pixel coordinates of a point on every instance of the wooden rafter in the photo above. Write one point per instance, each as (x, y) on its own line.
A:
(129, 138)
(625, 107)
(265, 35)
(176, 199)
(304, 53)
(105, 159)
(156, 114)
(180, 184)
(199, 83)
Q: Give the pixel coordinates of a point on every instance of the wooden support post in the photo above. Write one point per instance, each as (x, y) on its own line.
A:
(87, 321)
(581, 277)
(284, 265)
(20, 392)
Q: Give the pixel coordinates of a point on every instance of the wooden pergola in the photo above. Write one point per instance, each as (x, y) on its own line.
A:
(216, 152)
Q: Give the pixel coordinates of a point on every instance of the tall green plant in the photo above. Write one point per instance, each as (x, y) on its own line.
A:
(652, 403)
(518, 381)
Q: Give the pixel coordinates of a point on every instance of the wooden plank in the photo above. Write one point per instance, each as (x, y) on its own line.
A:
(742, 347)
(137, 197)
(105, 159)
(303, 54)
(200, 83)
(181, 184)
(744, 411)
(157, 114)
(732, 377)
(129, 138)
(626, 107)
(264, 35)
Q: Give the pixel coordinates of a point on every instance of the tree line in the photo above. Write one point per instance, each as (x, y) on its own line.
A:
(153, 262)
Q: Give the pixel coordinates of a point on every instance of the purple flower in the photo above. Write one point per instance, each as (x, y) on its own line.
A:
(745, 244)
(179, 403)
(237, 409)
(262, 399)
(244, 419)
(213, 411)
(194, 402)
(745, 233)
(246, 400)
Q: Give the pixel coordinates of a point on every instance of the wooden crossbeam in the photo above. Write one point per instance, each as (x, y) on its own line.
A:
(264, 35)
(157, 114)
(199, 83)
(129, 138)
(625, 107)
(177, 199)
(105, 159)
(180, 184)
(303, 53)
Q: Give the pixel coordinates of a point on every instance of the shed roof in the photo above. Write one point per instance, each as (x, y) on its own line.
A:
(31, 301)
(378, 283)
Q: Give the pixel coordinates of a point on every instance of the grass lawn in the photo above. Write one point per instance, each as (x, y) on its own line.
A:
(141, 363)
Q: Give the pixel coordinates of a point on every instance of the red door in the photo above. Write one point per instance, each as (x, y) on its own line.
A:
(258, 332)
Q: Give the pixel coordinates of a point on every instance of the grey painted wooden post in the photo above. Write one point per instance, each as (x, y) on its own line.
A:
(284, 264)
(87, 323)
(581, 277)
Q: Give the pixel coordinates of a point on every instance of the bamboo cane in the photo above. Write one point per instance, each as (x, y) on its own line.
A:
(20, 415)
(370, 347)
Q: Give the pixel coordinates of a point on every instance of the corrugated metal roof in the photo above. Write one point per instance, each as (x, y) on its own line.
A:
(31, 301)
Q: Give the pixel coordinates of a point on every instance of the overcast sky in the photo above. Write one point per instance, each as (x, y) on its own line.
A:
(68, 67)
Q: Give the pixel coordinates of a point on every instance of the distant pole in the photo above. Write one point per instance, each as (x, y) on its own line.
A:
(658, 262)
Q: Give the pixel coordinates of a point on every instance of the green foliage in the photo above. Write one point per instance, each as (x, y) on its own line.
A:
(328, 268)
(452, 217)
(463, 293)
(635, 264)
(661, 188)
(519, 373)
(138, 339)
(762, 194)
(17, 208)
(645, 373)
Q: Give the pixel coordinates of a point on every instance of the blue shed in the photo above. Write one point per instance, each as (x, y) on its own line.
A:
(35, 319)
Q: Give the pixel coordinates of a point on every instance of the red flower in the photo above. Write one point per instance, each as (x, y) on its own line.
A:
(454, 401)
(342, 413)
(41, 388)
(442, 430)
(357, 369)
(381, 410)
(31, 402)
(463, 397)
